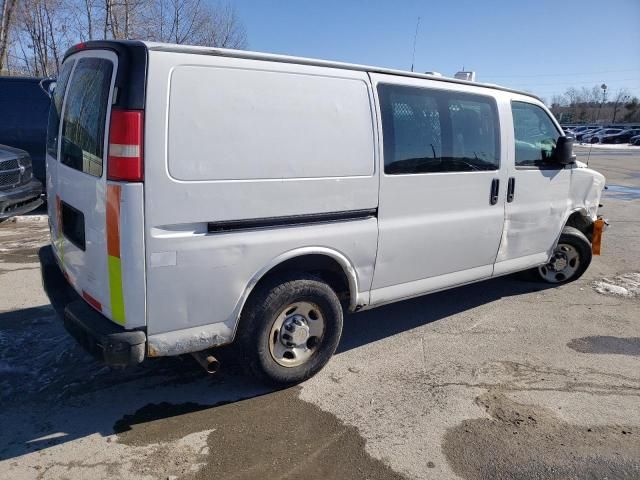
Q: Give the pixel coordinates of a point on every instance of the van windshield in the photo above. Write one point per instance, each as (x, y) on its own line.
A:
(85, 113)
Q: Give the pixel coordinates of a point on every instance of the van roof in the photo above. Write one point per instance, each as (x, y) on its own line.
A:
(271, 57)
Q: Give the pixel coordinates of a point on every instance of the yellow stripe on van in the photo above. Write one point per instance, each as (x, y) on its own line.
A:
(60, 240)
(115, 287)
(113, 253)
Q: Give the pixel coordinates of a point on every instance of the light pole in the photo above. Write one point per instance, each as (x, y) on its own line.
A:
(604, 99)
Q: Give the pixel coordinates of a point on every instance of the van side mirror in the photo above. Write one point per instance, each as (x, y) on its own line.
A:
(48, 85)
(563, 153)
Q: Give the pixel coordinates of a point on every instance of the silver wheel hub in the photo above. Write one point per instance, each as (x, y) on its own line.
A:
(558, 262)
(562, 265)
(296, 334)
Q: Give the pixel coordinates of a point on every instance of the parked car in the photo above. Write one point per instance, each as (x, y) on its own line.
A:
(580, 137)
(191, 210)
(623, 137)
(19, 191)
(24, 103)
(574, 130)
(598, 136)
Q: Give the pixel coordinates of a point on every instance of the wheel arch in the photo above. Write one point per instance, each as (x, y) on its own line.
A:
(580, 219)
(331, 265)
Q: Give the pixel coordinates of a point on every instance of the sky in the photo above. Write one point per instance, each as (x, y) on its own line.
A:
(541, 46)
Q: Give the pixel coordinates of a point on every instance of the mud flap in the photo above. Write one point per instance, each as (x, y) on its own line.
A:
(596, 242)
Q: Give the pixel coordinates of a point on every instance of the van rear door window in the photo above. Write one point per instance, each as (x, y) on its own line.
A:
(54, 110)
(83, 125)
(429, 131)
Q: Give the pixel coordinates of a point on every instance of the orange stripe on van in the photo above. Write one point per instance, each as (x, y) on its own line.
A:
(113, 220)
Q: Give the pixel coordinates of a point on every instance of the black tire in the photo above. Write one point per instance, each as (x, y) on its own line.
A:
(265, 305)
(575, 238)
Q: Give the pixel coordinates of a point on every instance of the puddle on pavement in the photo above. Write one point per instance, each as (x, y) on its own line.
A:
(271, 436)
(528, 442)
(623, 192)
(606, 345)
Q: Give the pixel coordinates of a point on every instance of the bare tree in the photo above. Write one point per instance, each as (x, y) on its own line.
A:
(86, 18)
(591, 104)
(6, 25)
(42, 35)
(619, 99)
(44, 29)
(633, 110)
(224, 29)
(557, 101)
(124, 19)
(196, 22)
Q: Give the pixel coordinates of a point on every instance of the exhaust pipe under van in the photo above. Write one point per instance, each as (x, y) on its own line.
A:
(207, 361)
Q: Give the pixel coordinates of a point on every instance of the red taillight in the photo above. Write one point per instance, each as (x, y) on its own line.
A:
(125, 146)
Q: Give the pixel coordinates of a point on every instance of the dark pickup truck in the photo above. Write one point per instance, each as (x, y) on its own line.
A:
(19, 191)
(24, 111)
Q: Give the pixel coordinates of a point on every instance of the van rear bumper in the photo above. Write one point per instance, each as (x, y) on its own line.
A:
(106, 341)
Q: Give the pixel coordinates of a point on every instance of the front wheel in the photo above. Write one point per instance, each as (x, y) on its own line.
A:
(290, 328)
(569, 260)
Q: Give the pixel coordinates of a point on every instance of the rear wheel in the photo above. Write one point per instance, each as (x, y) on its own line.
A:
(290, 328)
(569, 260)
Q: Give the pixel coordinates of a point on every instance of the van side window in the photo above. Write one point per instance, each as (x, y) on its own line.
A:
(535, 136)
(85, 112)
(54, 110)
(427, 131)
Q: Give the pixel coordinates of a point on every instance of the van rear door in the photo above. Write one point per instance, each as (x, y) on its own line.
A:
(96, 223)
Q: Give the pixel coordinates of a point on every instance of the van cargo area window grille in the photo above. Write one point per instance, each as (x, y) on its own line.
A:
(291, 220)
(73, 225)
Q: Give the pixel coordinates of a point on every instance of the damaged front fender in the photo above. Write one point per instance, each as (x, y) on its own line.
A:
(586, 190)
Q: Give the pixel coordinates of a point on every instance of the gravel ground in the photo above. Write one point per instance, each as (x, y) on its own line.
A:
(499, 380)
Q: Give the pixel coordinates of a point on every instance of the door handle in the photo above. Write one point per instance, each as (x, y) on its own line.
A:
(511, 188)
(495, 191)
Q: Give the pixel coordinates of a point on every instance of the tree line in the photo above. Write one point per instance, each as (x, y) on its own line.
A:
(34, 34)
(596, 105)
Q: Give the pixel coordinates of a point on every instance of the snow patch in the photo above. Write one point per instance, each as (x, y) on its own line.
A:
(607, 146)
(626, 285)
(28, 219)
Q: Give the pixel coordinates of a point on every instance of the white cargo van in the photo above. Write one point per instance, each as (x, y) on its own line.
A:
(199, 197)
